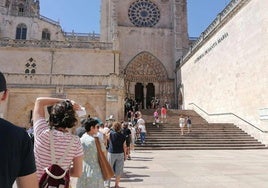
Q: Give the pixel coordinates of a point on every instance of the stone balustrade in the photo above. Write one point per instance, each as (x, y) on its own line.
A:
(6, 42)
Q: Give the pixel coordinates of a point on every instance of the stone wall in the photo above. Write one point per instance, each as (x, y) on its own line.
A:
(228, 74)
(86, 75)
(96, 102)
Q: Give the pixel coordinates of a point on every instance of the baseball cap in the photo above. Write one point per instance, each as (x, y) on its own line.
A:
(3, 85)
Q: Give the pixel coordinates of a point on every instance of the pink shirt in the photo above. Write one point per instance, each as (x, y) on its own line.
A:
(61, 139)
(155, 114)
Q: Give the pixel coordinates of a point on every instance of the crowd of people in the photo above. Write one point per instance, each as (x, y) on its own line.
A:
(31, 156)
(50, 141)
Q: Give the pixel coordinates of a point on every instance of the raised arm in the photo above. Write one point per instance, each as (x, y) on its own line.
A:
(42, 102)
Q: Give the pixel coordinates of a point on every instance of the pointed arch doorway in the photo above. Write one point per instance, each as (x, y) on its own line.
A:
(145, 78)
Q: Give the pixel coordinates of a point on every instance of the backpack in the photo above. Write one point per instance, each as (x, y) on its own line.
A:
(54, 176)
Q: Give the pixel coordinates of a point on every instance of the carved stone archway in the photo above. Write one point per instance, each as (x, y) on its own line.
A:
(146, 69)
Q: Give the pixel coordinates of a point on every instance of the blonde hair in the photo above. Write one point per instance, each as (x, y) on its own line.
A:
(139, 114)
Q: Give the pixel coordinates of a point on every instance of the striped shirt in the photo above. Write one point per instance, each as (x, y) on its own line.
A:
(61, 140)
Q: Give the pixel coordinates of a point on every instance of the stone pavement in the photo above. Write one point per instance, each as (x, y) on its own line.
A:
(196, 169)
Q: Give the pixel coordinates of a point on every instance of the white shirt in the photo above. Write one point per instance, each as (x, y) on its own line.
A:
(141, 121)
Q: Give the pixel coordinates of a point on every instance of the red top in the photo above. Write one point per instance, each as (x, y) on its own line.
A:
(163, 111)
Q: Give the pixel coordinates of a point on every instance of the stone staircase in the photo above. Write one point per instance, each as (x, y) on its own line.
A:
(204, 135)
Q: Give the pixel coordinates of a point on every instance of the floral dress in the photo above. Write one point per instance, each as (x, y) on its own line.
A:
(91, 176)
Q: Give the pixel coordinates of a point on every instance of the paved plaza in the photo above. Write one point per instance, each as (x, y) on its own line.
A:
(196, 169)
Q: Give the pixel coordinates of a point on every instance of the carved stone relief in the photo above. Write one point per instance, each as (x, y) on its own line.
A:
(145, 68)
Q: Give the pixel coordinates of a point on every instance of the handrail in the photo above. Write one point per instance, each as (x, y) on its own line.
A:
(228, 113)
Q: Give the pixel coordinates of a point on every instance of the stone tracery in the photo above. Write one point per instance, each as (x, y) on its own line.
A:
(145, 68)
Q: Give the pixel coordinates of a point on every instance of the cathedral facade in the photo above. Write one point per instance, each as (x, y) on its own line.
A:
(150, 36)
(134, 56)
(143, 52)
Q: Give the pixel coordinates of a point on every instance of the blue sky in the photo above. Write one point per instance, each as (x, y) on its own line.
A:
(83, 16)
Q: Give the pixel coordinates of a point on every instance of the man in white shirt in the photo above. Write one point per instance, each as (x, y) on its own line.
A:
(142, 128)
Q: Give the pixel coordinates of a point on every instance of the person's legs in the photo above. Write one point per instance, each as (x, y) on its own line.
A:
(142, 135)
(117, 181)
(182, 130)
(118, 169)
(128, 151)
(189, 128)
(111, 159)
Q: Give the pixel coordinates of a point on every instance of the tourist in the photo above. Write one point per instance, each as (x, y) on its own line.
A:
(133, 136)
(156, 118)
(141, 127)
(62, 116)
(127, 133)
(182, 123)
(92, 175)
(116, 152)
(189, 124)
(17, 158)
(163, 114)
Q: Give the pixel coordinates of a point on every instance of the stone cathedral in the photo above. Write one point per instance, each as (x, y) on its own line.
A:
(134, 56)
(143, 51)
(150, 36)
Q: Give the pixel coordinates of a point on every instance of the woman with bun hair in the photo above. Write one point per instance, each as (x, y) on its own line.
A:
(62, 116)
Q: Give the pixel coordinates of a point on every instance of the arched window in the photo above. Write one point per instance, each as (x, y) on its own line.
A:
(27, 71)
(21, 32)
(45, 34)
(21, 10)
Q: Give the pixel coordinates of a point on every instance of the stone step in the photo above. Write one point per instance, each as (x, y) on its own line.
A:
(202, 148)
(200, 145)
(191, 135)
(149, 142)
(194, 130)
(210, 139)
(168, 125)
(204, 135)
